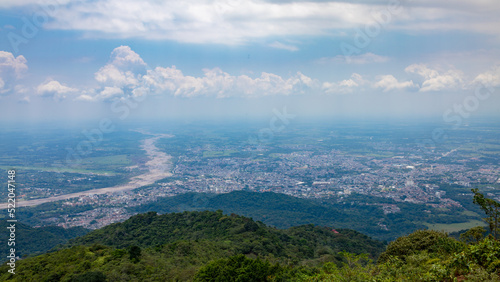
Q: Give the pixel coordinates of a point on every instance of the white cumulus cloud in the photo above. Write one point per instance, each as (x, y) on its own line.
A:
(11, 69)
(54, 89)
(434, 80)
(126, 75)
(109, 92)
(389, 82)
(10, 63)
(345, 86)
(217, 83)
(111, 75)
(124, 68)
(489, 78)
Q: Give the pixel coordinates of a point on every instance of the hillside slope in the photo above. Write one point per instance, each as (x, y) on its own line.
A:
(30, 241)
(152, 247)
(212, 246)
(150, 230)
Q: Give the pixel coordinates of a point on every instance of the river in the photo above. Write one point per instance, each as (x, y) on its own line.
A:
(159, 166)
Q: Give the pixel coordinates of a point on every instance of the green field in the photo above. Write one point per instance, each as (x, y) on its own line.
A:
(215, 154)
(470, 213)
(453, 227)
(118, 160)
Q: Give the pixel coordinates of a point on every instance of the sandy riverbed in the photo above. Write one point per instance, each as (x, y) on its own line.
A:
(159, 166)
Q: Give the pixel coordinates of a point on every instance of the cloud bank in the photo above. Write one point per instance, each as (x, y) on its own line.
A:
(126, 74)
(239, 21)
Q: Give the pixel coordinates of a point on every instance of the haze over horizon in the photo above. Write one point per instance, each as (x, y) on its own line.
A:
(127, 60)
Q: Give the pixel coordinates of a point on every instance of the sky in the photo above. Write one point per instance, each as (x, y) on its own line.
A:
(128, 60)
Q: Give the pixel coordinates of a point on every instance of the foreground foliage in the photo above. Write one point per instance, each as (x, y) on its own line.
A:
(424, 255)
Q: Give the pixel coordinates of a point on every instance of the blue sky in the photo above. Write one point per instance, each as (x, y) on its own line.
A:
(89, 59)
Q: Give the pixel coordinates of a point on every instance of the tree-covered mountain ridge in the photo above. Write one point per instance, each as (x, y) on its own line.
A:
(174, 246)
(213, 246)
(358, 212)
(151, 230)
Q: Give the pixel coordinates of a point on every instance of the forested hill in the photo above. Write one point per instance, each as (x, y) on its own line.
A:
(172, 247)
(31, 240)
(360, 213)
(241, 233)
(213, 246)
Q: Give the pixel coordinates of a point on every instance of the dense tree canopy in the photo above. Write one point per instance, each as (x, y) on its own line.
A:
(213, 246)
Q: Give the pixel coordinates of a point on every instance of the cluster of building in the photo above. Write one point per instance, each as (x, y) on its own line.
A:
(306, 172)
